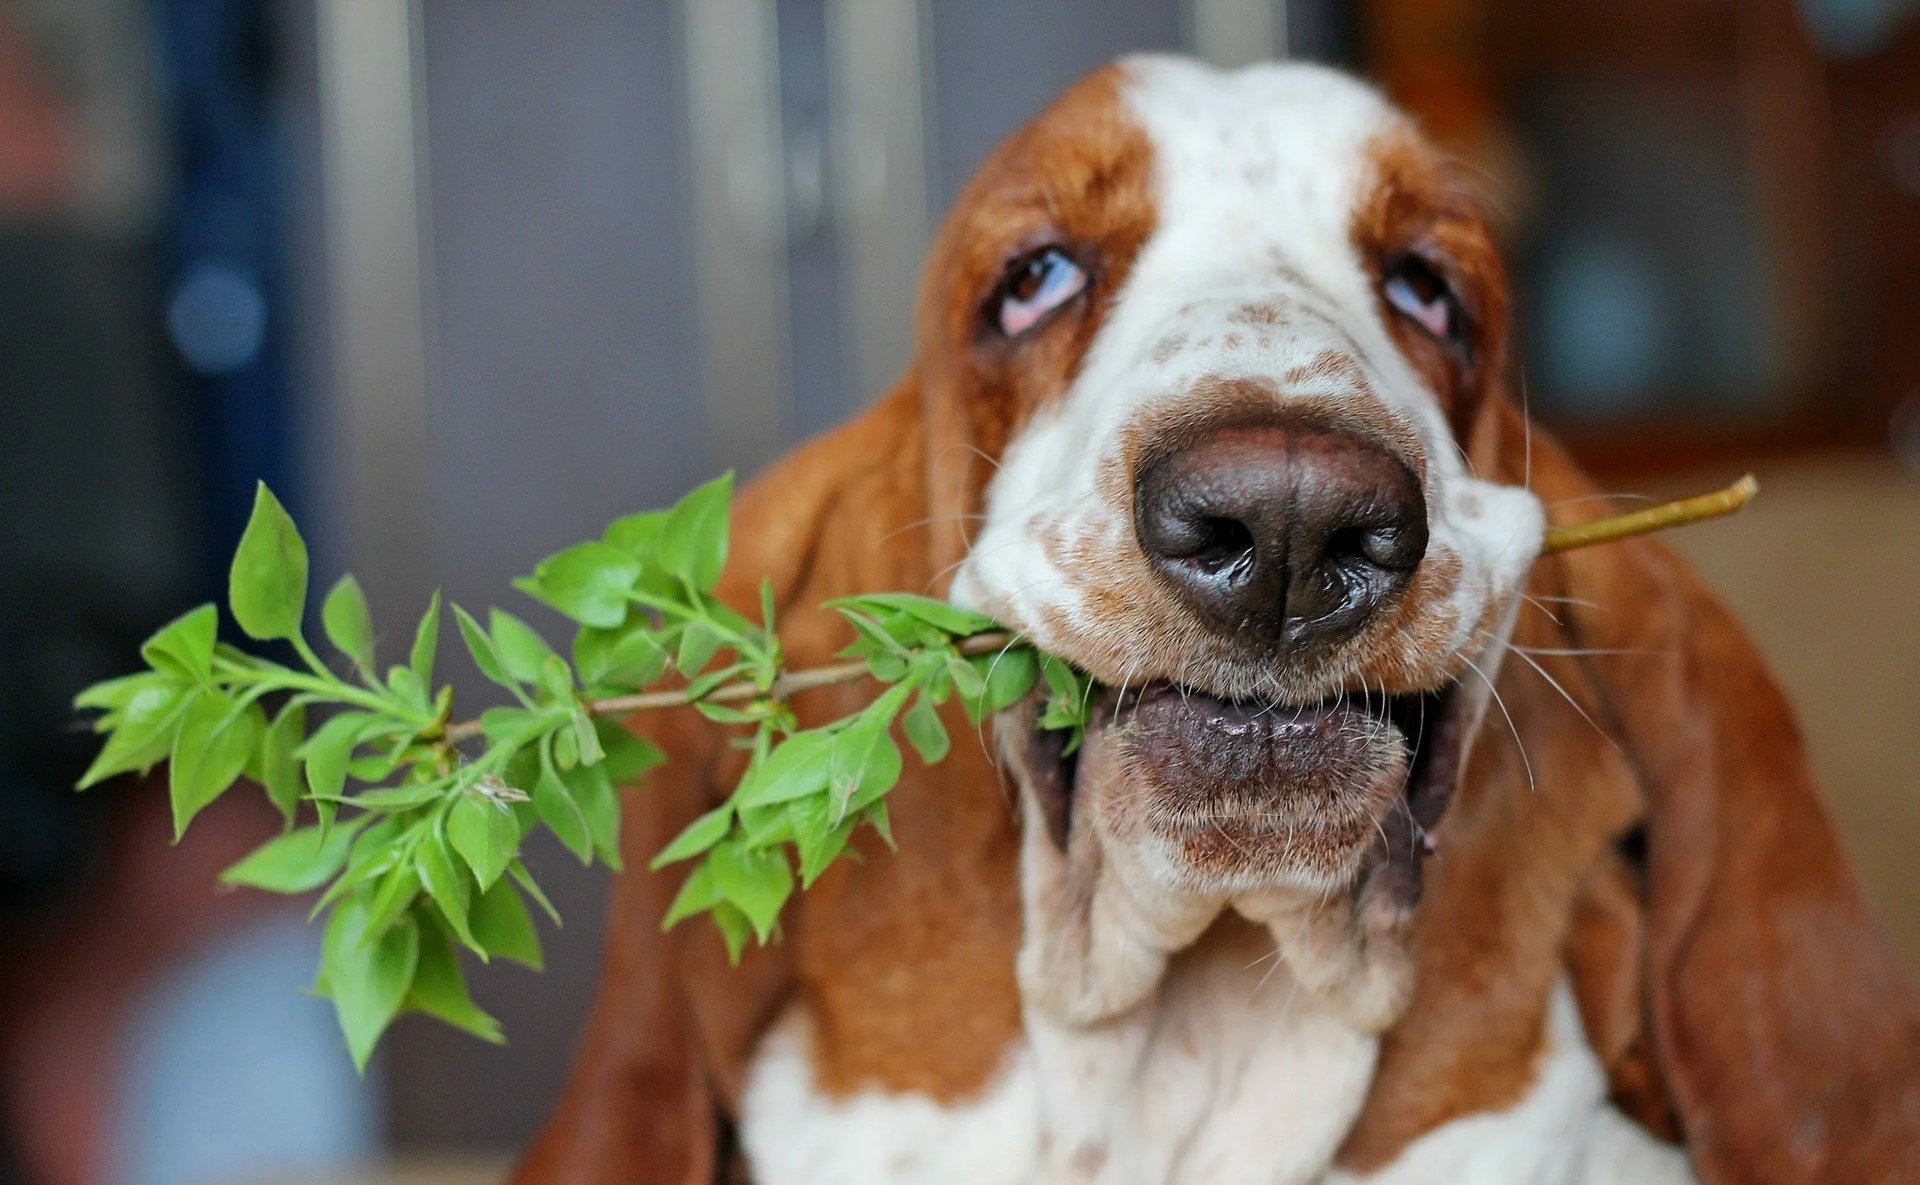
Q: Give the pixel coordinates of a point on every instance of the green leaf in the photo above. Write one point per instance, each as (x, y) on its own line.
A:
(374, 853)
(279, 767)
(862, 750)
(367, 979)
(965, 678)
(297, 862)
(522, 651)
(406, 686)
(1066, 688)
(589, 582)
(878, 776)
(210, 752)
(819, 851)
(757, 882)
(637, 534)
(586, 738)
(328, 751)
(556, 680)
(480, 645)
(348, 623)
(766, 606)
(693, 539)
(880, 821)
(562, 815)
(143, 728)
(426, 640)
(924, 731)
(1009, 674)
(699, 835)
(734, 928)
(446, 884)
(486, 836)
(711, 680)
(798, 766)
(948, 619)
(440, 987)
(400, 797)
(267, 585)
(399, 887)
(627, 756)
(503, 926)
(627, 657)
(514, 727)
(697, 646)
(697, 894)
(518, 871)
(599, 802)
(113, 695)
(184, 646)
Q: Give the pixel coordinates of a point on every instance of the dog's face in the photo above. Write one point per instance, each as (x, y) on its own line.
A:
(1227, 336)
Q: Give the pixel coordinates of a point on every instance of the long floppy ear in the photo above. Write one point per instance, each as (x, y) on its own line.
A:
(1786, 1031)
(658, 1070)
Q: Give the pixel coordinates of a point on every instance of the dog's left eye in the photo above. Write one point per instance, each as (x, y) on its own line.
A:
(1414, 287)
(1036, 284)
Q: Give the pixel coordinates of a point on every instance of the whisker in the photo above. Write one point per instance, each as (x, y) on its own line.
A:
(1581, 602)
(1564, 694)
(1601, 498)
(929, 521)
(1573, 651)
(1550, 614)
(1532, 786)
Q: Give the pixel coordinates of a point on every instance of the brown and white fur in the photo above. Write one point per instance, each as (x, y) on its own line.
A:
(1633, 952)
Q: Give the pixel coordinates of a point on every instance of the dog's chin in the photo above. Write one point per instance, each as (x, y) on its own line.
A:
(1233, 796)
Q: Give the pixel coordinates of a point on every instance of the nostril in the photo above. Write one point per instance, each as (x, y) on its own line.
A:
(1390, 546)
(1223, 543)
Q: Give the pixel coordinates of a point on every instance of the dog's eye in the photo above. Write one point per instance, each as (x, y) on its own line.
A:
(1415, 288)
(1036, 284)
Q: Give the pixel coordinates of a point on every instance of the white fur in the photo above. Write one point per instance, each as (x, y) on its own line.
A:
(795, 1135)
(1232, 1077)
(1564, 1132)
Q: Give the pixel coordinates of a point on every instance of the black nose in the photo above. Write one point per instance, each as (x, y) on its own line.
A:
(1293, 532)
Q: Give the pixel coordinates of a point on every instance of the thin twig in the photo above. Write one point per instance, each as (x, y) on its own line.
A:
(791, 683)
(787, 685)
(1653, 518)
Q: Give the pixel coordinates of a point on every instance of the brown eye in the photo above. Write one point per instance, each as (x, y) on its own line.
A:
(1035, 285)
(1416, 289)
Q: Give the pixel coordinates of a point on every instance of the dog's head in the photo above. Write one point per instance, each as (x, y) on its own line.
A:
(1228, 335)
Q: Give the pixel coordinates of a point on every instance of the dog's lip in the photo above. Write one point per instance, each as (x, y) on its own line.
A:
(1428, 722)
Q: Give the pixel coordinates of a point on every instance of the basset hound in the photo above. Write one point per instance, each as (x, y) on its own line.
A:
(1394, 853)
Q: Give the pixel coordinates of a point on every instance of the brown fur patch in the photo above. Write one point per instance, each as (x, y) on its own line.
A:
(1080, 176)
(1416, 201)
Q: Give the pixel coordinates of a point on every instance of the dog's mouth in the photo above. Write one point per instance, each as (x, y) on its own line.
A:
(1247, 793)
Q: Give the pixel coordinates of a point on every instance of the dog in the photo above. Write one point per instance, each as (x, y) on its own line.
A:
(1394, 851)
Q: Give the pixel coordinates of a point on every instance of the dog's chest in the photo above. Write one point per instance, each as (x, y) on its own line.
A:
(1231, 1074)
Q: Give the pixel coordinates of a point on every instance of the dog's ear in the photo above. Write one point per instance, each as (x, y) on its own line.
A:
(641, 1103)
(1786, 1031)
(658, 1071)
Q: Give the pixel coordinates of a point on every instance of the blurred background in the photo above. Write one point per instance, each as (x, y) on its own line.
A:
(463, 279)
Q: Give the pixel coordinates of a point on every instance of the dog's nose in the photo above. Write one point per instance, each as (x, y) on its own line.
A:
(1294, 532)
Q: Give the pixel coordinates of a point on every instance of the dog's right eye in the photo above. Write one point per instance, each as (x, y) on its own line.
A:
(1035, 285)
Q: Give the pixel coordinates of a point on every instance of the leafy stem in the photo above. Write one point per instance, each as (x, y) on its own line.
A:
(414, 845)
